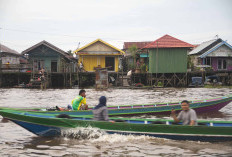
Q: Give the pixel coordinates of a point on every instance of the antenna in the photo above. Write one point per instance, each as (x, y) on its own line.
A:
(78, 45)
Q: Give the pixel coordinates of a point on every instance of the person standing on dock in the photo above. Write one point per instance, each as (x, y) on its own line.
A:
(188, 116)
(100, 112)
(79, 103)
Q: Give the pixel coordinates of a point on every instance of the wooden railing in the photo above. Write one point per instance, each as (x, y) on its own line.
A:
(15, 67)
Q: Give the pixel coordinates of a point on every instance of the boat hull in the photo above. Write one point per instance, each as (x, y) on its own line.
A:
(164, 109)
(47, 131)
(40, 130)
(220, 131)
(203, 106)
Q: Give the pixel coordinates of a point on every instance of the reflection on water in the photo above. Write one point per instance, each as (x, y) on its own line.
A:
(16, 141)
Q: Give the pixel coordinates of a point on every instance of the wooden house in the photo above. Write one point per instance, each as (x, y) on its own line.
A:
(51, 58)
(99, 54)
(11, 60)
(9, 56)
(167, 55)
(216, 54)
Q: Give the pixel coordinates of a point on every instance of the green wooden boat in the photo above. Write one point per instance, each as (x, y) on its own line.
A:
(50, 125)
(200, 106)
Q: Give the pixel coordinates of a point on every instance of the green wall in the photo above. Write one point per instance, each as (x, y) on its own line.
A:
(47, 61)
(169, 60)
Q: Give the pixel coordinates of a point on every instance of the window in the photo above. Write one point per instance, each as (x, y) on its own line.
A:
(53, 66)
(207, 61)
(222, 64)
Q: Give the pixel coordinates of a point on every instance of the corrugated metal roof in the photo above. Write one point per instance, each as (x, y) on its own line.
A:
(168, 41)
(4, 48)
(65, 54)
(202, 46)
(215, 48)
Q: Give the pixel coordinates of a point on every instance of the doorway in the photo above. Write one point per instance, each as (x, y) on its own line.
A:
(110, 62)
(53, 66)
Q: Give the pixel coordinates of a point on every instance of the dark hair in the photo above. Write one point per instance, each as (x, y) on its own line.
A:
(81, 91)
(185, 101)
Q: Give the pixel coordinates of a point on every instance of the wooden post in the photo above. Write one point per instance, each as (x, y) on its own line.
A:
(163, 79)
(18, 74)
(156, 82)
(70, 76)
(186, 79)
(64, 74)
(122, 74)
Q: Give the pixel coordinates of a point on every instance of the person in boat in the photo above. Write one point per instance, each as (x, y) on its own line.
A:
(100, 111)
(79, 103)
(188, 116)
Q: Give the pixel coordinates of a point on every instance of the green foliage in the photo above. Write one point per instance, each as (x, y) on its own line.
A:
(143, 68)
(190, 64)
(131, 66)
(133, 51)
(160, 84)
(70, 52)
(208, 69)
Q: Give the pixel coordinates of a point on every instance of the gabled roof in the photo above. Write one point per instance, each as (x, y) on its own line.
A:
(45, 43)
(215, 48)
(139, 45)
(101, 42)
(168, 41)
(6, 49)
(202, 47)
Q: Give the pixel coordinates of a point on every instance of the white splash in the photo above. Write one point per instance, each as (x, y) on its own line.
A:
(94, 135)
(83, 133)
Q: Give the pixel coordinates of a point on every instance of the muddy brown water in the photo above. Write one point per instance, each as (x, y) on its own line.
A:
(16, 141)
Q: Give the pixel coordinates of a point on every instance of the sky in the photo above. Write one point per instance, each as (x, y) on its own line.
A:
(69, 24)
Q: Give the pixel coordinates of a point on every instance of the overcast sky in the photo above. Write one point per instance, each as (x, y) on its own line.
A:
(65, 23)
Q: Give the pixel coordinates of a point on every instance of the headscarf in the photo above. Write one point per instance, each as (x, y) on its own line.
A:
(102, 102)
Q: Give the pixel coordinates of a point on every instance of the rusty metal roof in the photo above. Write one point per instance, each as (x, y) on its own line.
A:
(4, 48)
(139, 45)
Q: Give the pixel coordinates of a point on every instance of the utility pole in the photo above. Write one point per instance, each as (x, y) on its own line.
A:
(0, 60)
(157, 63)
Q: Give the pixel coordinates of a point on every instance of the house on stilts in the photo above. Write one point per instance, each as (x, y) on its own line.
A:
(167, 61)
(57, 65)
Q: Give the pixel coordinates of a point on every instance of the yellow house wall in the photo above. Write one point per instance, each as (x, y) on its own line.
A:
(116, 63)
(90, 62)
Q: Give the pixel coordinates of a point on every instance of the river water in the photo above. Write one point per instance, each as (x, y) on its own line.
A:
(16, 141)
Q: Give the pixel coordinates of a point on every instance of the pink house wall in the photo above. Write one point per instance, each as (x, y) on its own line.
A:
(214, 63)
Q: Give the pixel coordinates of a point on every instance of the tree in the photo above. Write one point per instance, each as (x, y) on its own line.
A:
(70, 52)
(190, 64)
(133, 51)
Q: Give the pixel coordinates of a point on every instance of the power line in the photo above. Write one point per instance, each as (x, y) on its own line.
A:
(54, 34)
(67, 35)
